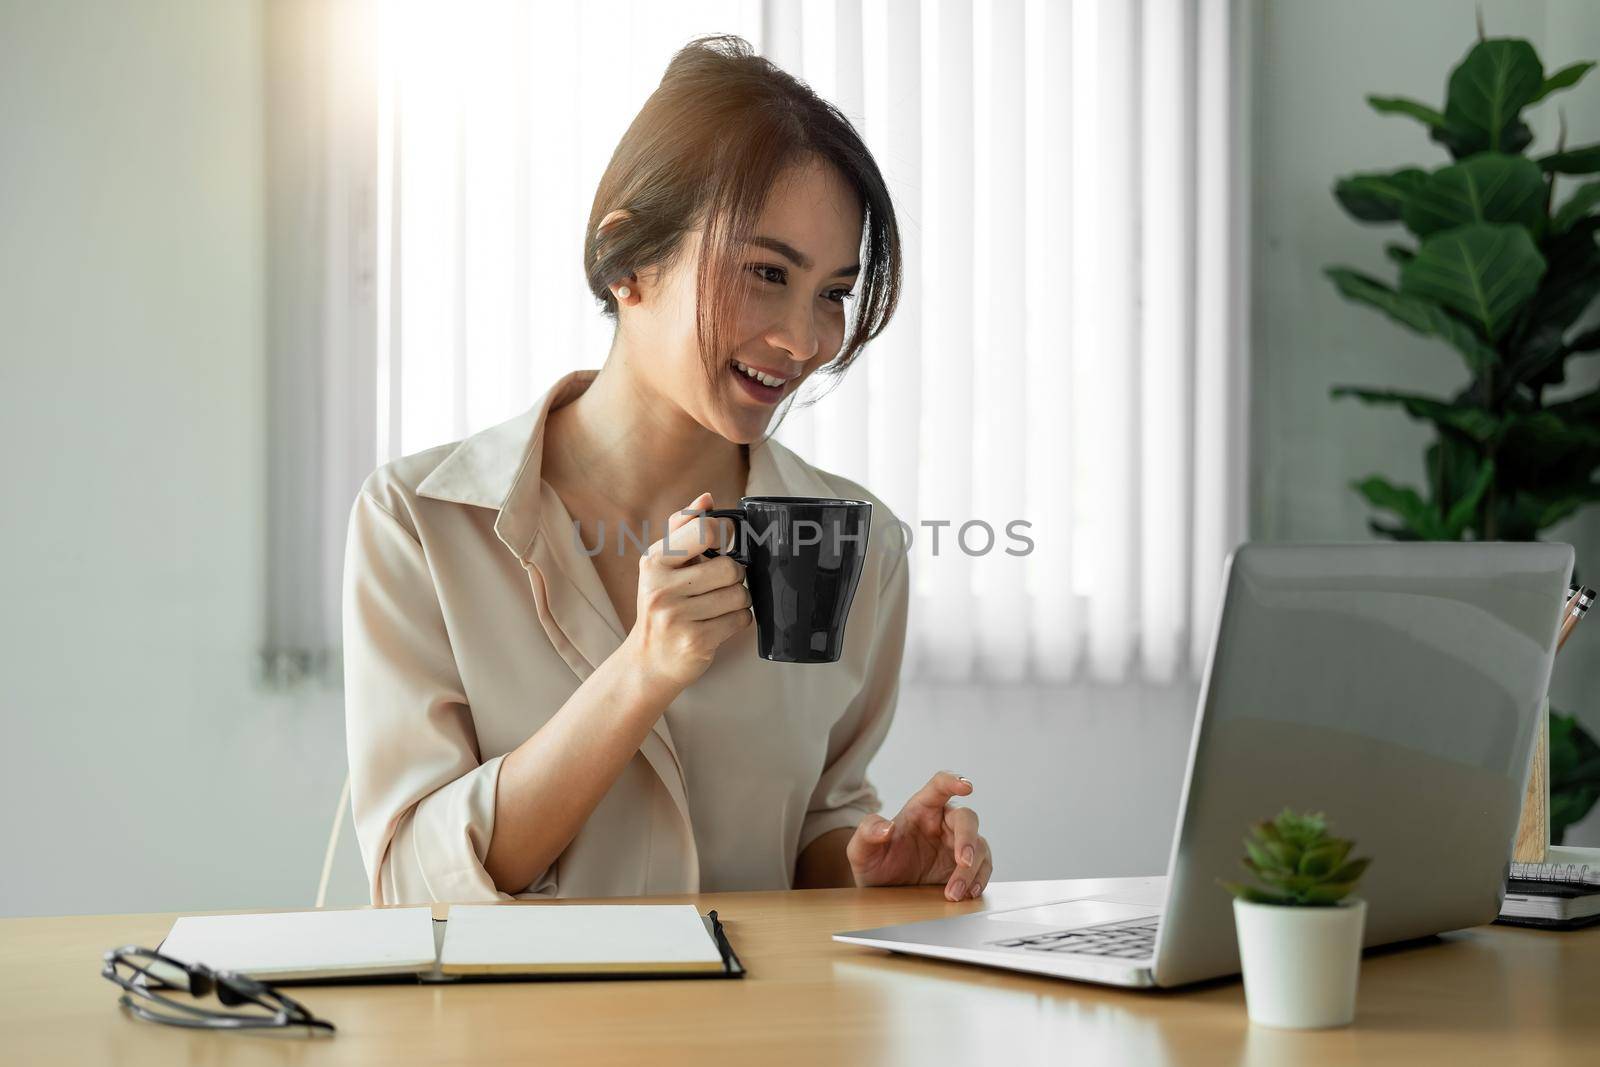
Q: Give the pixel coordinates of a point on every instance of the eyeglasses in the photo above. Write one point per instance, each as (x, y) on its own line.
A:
(144, 973)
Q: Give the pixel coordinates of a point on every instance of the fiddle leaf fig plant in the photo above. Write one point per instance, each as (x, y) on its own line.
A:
(1298, 863)
(1497, 259)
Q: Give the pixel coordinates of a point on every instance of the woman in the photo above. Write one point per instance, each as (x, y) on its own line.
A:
(542, 702)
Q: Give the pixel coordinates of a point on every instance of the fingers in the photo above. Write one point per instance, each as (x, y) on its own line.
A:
(961, 829)
(940, 788)
(710, 588)
(981, 879)
(687, 515)
(703, 577)
(961, 824)
(729, 598)
(872, 834)
(965, 881)
(688, 535)
(724, 626)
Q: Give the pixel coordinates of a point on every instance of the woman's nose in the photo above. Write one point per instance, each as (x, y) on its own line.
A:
(798, 336)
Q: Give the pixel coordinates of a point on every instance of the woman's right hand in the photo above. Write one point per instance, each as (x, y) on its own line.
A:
(688, 604)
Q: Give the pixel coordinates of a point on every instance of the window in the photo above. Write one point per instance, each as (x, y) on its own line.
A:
(1069, 353)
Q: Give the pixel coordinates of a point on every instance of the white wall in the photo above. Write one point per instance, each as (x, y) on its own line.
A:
(141, 770)
(1315, 64)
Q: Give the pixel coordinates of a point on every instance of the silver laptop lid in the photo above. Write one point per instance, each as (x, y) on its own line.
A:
(1393, 686)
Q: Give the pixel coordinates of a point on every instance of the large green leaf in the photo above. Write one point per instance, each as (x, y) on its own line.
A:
(1488, 187)
(1552, 452)
(1488, 91)
(1464, 510)
(1585, 160)
(1378, 196)
(1419, 516)
(1422, 519)
(1565, 78)
(1571, 281)
(1399, 105)
(1400, 254)
(1465, 145)
(1539, 360)
(1537, 356)
(1454, 467)
(1576, 207)
(1485, 271)
(1523, 514)
(1550, 432)
(1423, 316)
(1471, 421)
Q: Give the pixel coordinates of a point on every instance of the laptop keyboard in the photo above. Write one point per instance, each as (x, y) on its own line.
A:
(1133, 939)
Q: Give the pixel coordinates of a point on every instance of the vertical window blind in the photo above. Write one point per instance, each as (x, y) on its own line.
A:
(1067, 364)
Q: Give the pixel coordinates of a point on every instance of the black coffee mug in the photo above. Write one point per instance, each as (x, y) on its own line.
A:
(803, 557)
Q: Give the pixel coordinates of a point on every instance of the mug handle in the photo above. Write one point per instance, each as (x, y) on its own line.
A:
(737, 549)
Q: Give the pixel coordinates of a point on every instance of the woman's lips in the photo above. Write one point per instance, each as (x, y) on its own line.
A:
(764, 394)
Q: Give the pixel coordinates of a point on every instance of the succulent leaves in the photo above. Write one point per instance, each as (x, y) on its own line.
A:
(1297, 863)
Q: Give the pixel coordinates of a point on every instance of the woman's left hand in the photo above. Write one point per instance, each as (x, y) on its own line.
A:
(930, 841)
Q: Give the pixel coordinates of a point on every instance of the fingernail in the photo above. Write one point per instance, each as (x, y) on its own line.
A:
(964, 778)
(977, 888)
(885, 829)
(966, 856)
(958, 889)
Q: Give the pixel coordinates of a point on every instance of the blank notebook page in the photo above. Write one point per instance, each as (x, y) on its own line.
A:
(307, 944)
(529, 938)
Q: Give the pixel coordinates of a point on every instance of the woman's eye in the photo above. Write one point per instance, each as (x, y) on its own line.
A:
(837, 296)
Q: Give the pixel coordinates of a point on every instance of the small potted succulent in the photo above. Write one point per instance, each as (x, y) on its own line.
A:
(1299, 931)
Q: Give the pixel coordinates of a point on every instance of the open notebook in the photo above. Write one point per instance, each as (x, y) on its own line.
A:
(526, 941)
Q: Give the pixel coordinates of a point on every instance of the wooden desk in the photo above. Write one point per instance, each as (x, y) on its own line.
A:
(1491, 995)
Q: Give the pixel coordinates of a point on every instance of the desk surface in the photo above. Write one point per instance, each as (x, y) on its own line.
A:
(1491, 994)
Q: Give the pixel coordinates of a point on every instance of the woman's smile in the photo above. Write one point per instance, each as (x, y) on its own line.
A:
(763, 386)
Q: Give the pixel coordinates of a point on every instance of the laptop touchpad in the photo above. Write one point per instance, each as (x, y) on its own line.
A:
(1071, 913)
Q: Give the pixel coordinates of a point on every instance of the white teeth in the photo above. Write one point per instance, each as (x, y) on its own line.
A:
(765, 379)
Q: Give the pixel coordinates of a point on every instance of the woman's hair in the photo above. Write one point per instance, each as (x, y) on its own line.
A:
(705, 150)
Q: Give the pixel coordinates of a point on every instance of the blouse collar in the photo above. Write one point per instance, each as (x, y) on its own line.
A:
(499, 468)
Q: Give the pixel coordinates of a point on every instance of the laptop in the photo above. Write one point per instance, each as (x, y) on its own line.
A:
(1395, 687)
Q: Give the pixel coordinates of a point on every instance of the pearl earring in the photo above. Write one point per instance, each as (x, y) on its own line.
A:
(624, 292)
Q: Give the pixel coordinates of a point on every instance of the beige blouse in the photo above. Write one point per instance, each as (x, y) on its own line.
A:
(471, 615)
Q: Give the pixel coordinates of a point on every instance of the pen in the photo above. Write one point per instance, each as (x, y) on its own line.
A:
(1577, 605)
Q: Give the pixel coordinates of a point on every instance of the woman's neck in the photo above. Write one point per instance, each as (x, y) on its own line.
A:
(637, 450)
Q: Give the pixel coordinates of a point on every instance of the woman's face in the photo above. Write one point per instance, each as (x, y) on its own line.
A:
(799, 273)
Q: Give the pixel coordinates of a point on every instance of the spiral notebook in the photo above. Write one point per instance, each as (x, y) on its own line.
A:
(1567, 873)
(1556, 896)
(447, 943)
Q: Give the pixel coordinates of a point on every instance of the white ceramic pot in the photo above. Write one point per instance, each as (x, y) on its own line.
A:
(1300, 964)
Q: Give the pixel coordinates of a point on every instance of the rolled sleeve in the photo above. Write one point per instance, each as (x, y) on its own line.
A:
(844, 795)
(423, 801)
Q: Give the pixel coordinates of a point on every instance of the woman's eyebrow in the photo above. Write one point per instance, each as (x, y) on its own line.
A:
(784, 248)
